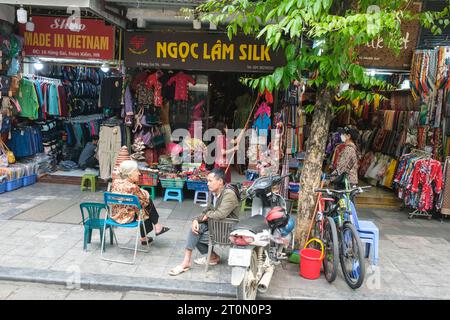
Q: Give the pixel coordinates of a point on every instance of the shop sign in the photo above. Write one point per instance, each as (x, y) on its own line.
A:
(53, 38)
(199, 51)
(376, 54)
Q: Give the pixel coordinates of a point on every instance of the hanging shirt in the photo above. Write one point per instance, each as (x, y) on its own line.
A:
(262, 124)
(28, 99)
(53, 101)
(198, 111)
(63, 101)
(181, 85)
(153, 82)
(111, 92)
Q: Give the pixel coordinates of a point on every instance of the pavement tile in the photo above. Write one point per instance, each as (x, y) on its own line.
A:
(90, 295)
(407, 249)
(38, 293)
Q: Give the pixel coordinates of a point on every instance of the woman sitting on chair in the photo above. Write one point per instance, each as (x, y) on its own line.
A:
(127, 184)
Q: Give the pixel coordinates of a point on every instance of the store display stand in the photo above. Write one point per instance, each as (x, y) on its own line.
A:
(419, 213)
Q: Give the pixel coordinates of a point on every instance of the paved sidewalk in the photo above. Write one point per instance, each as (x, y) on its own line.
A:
(41, 240)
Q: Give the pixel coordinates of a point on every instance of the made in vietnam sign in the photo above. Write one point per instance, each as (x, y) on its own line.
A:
(199, 51)
(53, 38)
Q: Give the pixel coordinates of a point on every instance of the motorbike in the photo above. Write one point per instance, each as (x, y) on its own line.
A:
(261, 242)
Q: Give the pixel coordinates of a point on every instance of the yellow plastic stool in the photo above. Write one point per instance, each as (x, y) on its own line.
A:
(92, 178)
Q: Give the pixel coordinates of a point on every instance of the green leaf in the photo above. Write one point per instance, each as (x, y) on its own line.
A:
(269, 83)
(255, 83)
(278, 75)
(262, 85)
(291, 67)
(317, 7)
(277, 38)
(290, 52)
(229, 32)
(290, 4)
(286, 82)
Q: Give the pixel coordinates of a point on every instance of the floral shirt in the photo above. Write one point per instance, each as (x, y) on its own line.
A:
(181, 85)
(127, 214)
(349, 162)
(153, 82)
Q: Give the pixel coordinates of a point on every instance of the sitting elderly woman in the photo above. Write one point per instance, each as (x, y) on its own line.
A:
(127, 184)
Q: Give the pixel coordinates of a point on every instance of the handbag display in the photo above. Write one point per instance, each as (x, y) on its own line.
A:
(4, 154)
(9, 154)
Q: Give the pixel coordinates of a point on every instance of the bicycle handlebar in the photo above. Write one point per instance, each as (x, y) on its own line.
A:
(331, 191)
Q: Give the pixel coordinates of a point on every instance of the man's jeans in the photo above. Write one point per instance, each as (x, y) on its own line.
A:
(200, 240)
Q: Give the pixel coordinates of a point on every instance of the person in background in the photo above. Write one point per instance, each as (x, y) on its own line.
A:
(223, 203)
(89, 156)
(127, 184)
(223, 152)
(348, 162)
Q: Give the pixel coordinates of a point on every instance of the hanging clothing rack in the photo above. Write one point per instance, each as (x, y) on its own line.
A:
(40, 78)
(421, 152)
(84, 119)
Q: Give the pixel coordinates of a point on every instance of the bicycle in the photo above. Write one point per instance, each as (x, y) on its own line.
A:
(350, 249)
(325, 230)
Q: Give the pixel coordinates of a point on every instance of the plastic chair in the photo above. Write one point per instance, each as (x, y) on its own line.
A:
(368, 233)
(201, 197)
(173, 194)
(126, 200)
(92, 178)
(92, 221)
(152, 191)
(219, 233)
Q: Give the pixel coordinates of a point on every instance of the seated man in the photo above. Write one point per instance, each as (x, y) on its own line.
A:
(88, 157)
(224, 205)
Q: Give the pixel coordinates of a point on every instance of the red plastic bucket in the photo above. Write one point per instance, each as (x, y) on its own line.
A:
(311, 261)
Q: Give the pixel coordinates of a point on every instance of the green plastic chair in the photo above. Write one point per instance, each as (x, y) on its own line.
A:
(92, 221)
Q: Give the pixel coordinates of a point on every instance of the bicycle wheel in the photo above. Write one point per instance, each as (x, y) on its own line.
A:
(316, 233)
(331, 244)
(352, 256)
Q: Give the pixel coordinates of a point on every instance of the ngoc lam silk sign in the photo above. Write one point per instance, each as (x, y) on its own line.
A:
(199, 51)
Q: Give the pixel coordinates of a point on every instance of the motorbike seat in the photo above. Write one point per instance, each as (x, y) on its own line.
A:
(255, 224)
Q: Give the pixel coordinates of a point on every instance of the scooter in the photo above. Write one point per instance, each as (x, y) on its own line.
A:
(259, 243)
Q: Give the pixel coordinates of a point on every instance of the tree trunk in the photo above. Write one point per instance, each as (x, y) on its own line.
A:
(312, 169)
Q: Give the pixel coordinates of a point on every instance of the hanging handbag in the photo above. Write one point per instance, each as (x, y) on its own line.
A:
(10, 158)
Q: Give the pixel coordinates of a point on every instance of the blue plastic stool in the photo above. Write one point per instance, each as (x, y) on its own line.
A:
(201, 197)
(368, 233)
(173, 194)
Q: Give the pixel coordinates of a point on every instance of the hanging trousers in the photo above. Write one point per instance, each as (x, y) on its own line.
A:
(110, 142)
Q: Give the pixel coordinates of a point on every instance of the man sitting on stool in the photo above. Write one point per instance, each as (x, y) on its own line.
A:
(89, 157)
